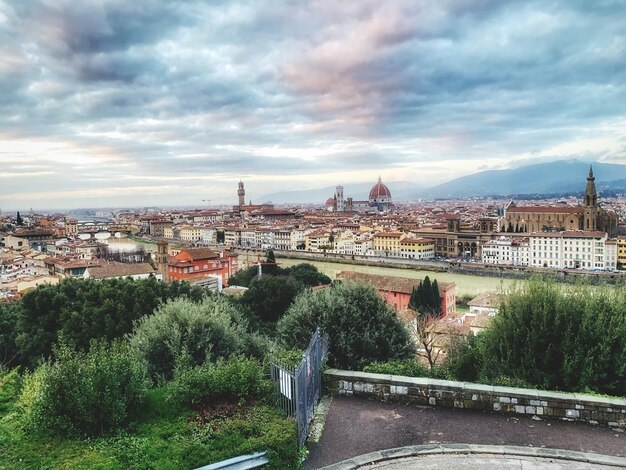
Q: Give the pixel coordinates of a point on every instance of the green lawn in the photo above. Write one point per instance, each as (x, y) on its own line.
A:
(164, 438)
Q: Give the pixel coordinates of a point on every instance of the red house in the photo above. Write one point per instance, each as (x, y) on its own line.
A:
(397, 290)
(196, 263)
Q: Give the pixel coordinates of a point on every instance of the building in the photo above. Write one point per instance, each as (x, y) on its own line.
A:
(379, 200)
(621, 252)
(397, 290)
(588, 216)
(121, 270)
(570, 249)
(506, 251)
(194, 264)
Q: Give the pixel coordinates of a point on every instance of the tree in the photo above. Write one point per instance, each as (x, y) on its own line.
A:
(9, 313)
(270, 256)
(268, 297)
(426, 305)
(308, 275)
(361, 326)
(81, 310)
(559, 337)
(18, 219)
(189, 332)
(86, 392)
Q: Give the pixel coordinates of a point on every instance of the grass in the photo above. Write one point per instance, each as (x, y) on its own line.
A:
(165, 437)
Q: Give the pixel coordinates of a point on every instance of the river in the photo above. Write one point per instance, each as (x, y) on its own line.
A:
(465, 284)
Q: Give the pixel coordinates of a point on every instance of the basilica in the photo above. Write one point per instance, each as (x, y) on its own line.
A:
(588, 216)
(379, 200)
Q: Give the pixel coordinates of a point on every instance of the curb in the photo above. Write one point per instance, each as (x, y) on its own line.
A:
(434, 449)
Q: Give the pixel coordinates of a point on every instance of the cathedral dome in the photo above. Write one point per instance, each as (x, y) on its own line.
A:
(330, 202)
(379, 191)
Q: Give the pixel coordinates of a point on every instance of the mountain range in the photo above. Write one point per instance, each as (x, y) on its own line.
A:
(562, 176)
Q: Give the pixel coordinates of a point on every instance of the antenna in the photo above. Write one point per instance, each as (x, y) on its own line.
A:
(208, 201)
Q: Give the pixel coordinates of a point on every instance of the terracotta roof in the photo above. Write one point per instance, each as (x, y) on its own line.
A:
(119, 270)
(201, 253)
(488, 299)
(390, 283)
(548, 209)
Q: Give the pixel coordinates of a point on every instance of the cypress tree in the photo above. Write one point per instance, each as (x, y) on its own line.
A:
(436, 306)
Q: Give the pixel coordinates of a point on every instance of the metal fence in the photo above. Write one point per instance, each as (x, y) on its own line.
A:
(300, 386)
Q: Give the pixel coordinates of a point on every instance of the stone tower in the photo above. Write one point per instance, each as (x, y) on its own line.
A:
(590, 220)
(241, 192)
(341, 204)
(161, 259)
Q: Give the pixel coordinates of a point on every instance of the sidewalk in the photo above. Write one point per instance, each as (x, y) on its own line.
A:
(356, 426)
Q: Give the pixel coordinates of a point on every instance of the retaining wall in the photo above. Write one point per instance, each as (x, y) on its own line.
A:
(426, 391)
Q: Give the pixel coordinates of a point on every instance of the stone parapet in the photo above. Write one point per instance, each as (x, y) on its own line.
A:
(450, 394)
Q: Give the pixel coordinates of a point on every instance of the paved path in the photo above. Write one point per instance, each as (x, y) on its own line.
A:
(356, 426)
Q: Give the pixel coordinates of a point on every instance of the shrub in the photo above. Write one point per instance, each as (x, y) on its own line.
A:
(464, 358)
(406, 368)
(268, 297)
(198, 332)
(87, 392)
(10, 384)
(361, 326)
(560, 338)
(81, 310)
(236, 378)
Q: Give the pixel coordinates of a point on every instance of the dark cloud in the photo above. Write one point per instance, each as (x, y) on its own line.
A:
(306, 87)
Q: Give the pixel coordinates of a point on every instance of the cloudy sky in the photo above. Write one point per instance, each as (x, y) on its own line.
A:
(150, 102)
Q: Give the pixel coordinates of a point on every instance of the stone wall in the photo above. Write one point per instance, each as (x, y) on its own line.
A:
(425, 391)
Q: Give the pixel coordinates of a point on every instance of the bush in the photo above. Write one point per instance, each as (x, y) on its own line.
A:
(10, 385)
(81, 310)
(268, 297)
(406, 368)
(464, 358)
(197, 332)
(559, 338)
(361, 326)
(89, 393)
(237, 378)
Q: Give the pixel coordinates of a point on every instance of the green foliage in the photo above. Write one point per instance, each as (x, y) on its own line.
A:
(85, 392)
(463, 359)
(9, 313)
(10, 385)
(406, 368)
(361, 326)
(304, 273)
(236, 378)
(556, 337)
(425, 298)
(167, 437)
(243, 277)
(308, 275)
(81, 310)
(189, 332)
(268, 297)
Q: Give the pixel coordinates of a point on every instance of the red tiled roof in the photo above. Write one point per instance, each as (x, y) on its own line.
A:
(390, 283)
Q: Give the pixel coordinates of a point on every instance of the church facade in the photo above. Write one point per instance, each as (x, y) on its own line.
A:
(588, 216)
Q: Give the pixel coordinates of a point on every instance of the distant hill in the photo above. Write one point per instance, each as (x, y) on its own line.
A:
(560, 177)
(400, 190)
(564, 176)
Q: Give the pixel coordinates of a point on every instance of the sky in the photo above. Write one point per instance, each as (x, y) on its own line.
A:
(151, 103)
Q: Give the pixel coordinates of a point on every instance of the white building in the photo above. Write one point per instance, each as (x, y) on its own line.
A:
(569, 249)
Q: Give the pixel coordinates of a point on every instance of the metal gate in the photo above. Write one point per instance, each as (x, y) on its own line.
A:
(300, 386)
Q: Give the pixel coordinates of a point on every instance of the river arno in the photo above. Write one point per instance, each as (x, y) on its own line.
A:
(465, 284)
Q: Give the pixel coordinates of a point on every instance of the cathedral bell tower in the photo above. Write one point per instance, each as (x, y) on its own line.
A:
(590, 220)
(161, 259)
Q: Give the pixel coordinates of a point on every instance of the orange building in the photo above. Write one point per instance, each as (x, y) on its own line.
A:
(397, 290)
(196, 263)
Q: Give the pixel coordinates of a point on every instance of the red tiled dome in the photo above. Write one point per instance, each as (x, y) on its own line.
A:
(379, 190)
(330, 202)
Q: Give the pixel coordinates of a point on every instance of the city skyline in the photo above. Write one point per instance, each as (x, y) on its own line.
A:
(108, 104)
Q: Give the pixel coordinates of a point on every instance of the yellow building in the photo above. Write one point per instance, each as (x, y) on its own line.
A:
(621, 252)
(190, 234)
(417, 248)
(386, 243)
